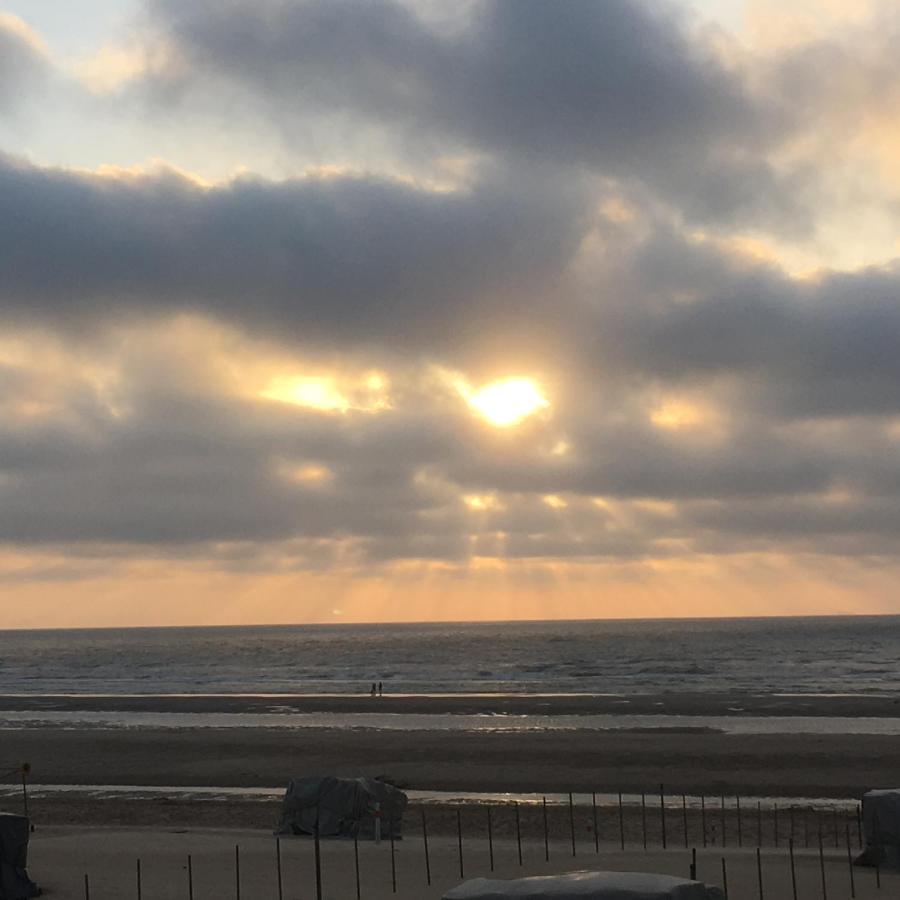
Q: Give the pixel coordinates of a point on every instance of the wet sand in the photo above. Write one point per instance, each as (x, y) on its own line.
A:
(549, 761)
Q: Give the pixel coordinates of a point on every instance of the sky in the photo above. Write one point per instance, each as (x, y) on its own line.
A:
(399, 310)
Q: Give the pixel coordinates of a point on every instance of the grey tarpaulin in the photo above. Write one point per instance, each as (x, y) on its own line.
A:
(14, 881)
(587, 886)
(881, 826)
(344, 807)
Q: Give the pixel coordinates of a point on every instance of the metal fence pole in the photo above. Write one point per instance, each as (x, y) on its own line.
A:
(425, 842)
(546, 836)
(518, 833)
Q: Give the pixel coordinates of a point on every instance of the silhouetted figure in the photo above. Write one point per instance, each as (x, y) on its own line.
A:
(380, 689)
(373, 688)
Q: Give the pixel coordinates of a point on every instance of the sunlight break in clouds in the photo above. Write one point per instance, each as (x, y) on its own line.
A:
(323, 392)
(505, 402)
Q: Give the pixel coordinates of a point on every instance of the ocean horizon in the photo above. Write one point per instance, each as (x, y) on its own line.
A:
(845, 655)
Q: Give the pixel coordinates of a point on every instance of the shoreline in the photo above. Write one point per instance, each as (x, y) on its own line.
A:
(730, 704)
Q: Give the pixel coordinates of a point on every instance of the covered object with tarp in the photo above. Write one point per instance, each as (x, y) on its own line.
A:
(587, 886)
(342, 807)
(14, 881)
(881, 827)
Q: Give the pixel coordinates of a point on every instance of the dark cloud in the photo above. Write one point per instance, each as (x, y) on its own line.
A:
(347, 263)
(687, 312)
(517, 271)
(622, 88)
(176, 464)
(358, 258)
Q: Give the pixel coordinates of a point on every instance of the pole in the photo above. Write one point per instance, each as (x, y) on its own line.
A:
(425, 842)
(693, 864)
(644, 817)
(393, 854)
(621, 823)
(793, 869)
(318, 855)
(356, 865)
(518, 833)
(138, 875)
(723, 820)
(191, 879)
(850, 865)
(572, 822)
(278, 867)
(594, 813)
(546, 837)
(490, 837)
(237, 872)
(822, 867)
(87, 888)
(25, 789)
(459, 840)
(759, 873)
(724, 879)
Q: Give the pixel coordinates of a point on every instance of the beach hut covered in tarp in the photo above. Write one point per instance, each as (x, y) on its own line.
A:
(881, 828)
(342, 807)
(14, 881)
(587, 886)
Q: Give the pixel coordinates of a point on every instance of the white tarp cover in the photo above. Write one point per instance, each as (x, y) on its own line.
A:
(881, 827)
(581, 885)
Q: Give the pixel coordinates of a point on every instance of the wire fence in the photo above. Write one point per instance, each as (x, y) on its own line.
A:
(479, 839)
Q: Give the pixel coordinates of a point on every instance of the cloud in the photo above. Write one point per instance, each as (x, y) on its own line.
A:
(24, 63)
(156, 438)
(350, 257)
(256, 375)
(624, 89)
(820, 346)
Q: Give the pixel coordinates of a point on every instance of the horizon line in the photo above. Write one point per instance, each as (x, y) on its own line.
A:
(461, 622)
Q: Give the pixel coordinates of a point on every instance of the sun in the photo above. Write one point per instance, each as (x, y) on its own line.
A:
(507, 402)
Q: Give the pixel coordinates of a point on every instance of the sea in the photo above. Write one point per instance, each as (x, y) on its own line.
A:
(71, 678)
(828, 655)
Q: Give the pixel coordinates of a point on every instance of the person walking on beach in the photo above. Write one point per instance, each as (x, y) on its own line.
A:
(373, 689)
(380, 690)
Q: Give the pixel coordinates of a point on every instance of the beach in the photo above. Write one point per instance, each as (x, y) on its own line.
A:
(798, 765)
(492, 753)
(119, 774)
(103, 794)
(221, 861)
